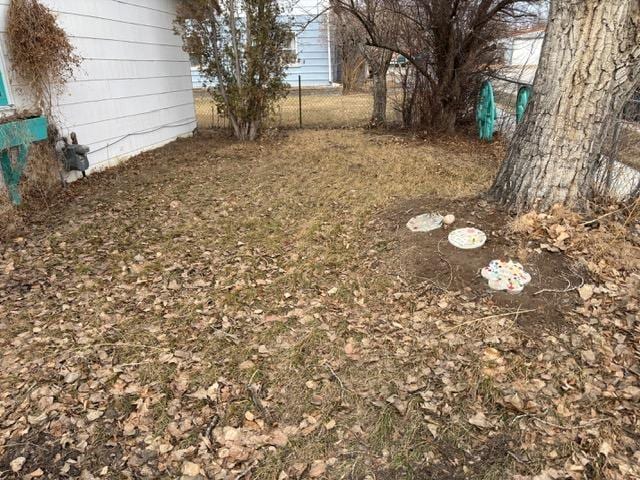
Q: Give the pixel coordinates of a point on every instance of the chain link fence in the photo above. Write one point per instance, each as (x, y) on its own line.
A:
(306, 107)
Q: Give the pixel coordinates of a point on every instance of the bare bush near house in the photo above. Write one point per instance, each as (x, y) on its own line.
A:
(352, 60)
(377, 59)
(450, 44)
(39, 185)
(240, 46)
(41, 179)
(40, 51)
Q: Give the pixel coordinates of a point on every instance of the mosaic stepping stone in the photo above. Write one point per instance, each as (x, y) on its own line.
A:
(509, 276)
(425, 222)
(467, 238)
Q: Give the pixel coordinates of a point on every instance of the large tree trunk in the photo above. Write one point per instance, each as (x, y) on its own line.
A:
(378, 60)
(589, 65)
(379, 64)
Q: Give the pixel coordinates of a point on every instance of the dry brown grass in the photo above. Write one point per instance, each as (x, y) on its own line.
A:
(319, 109)
(284, 221)
(166, 275)
(41, 181)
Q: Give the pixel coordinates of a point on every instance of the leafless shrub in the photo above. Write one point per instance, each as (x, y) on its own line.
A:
(41, 179)
(40, 51)
(39, 185)
(450, 46)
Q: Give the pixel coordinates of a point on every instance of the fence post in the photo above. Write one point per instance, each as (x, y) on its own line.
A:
(300, 98)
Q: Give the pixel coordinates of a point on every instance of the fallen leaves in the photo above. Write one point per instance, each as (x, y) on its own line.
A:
(318, 468)
(586, 292)
(479, 420)
(94, 415)
(17, 463)
(191, 469)
(256, 328)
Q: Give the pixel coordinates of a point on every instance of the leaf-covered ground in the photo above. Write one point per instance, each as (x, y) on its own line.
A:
(232, 311)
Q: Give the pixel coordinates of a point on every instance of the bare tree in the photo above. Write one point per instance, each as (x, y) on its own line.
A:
(590, 66)
(352, 61)
(240, 46)
(449, 43)
(377, 59)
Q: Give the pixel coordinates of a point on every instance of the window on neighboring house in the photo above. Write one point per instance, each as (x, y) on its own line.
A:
(292, 50)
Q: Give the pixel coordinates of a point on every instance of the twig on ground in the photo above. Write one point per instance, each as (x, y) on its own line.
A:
(572, 427)
(442, 257)
(212, 424)
(489, 317)
(80, 348)
(243, 473)
(255, 398)
(588, 222)
(569, 287)
(516, 458)
(132, 345)
(335, 375)
(635, 205)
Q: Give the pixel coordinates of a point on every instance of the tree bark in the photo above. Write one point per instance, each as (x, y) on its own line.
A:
(589, 66)
(379, 63)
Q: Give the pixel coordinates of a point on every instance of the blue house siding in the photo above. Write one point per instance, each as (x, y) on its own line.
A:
(197, 79)
(313, 53)
(314, 63)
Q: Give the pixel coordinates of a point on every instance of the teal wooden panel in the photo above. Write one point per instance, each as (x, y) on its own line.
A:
(4, 100)
(20, 132)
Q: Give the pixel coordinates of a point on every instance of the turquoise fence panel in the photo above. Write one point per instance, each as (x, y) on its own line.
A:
(524, 93)
(486, 112)
(4, 99)
(19, 135)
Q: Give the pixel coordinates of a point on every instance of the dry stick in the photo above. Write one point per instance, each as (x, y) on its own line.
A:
(246, 470)
(77, 348)
(207, 434)
(515, 457)
(442, 257)
(602, 216)
(489, 317)
(571, 427)
(136, 345)
(342, 387)
(566, 290)
(636, 203)
(257, 402)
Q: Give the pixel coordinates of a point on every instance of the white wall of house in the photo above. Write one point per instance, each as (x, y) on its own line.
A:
(525, 49)
(132, 91)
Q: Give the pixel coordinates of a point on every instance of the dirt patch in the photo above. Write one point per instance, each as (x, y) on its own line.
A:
(483, 461)
(429, 258)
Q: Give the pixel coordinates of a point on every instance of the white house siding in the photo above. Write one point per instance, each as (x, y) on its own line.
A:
(132, 91)
(525, 49)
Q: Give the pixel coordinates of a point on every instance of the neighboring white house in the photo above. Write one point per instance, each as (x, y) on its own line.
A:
(522, 54)
(524, 47)
(132, 91)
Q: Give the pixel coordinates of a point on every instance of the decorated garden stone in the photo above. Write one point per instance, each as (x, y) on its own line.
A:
(425, 222)
(467, 238)
(509, 276)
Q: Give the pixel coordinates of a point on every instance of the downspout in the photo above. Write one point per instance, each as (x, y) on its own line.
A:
(329, 50)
